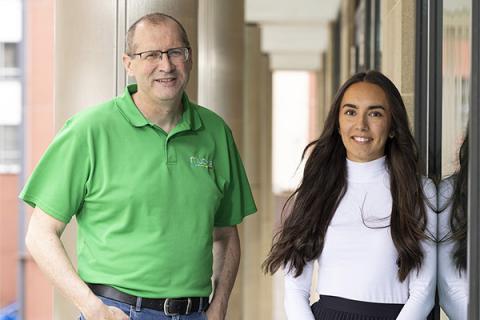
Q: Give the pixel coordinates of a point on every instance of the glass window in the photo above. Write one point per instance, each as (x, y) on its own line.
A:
(368, 44)
(452, 191)
(11, 55)
(9, 62)
(456, 79)
(9, 149)
(10, 120)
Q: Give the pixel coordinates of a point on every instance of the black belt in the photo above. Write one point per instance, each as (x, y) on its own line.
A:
(170, 306)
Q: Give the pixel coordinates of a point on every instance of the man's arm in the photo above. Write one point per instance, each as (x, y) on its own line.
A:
(226, 259)
(44, 244)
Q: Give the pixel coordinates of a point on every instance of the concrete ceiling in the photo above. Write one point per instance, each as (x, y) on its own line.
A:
(293, 33)
(297, 11)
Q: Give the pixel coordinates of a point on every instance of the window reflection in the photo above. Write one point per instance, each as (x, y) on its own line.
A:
(456, 79)
(452, 190)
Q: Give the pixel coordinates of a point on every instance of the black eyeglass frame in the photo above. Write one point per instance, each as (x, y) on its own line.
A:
(186, 53)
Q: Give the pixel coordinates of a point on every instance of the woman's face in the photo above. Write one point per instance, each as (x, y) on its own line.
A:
(365, 119)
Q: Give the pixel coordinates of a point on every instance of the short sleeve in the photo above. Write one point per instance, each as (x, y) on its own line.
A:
(58, 183)
(237, 200)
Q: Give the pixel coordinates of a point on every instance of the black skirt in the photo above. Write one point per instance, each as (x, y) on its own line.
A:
(336, 308)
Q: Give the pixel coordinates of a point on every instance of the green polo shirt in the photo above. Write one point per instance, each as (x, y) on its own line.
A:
(146, 202)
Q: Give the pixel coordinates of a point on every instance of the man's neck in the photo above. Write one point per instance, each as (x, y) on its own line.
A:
(165, 115)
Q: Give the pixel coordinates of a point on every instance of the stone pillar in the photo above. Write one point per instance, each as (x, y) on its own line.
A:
(84, 75)
(267, 213)
(329, 66)
(257, 144)
(220, 84)
(220, 75)
(89, 43)
(323, 108)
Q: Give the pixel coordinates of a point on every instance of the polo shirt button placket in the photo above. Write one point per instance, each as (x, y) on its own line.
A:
(170, 153)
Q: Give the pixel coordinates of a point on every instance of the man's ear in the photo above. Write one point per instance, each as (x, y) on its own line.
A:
(127, 64)
(190, 60)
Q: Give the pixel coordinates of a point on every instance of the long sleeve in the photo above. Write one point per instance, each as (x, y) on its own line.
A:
(452, 285)
(297, 294)
(422, 284)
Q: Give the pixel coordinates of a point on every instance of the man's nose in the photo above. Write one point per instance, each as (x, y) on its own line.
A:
(164, 63)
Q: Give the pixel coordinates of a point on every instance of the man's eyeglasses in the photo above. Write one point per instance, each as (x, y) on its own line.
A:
(175, 55)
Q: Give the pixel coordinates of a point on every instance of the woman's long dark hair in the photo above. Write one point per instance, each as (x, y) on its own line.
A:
(301, 238)
(458, 219)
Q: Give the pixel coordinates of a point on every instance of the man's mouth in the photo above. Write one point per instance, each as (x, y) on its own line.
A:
(166, 80)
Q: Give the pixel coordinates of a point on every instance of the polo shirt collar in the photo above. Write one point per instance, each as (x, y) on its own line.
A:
(128, 108)
(190, 118)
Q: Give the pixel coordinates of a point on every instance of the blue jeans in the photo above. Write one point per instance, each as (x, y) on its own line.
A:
(149, 314)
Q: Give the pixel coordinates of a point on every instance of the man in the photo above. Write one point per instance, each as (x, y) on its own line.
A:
(154, 182)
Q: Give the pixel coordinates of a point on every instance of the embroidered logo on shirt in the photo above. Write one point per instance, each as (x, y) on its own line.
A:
(201, 163)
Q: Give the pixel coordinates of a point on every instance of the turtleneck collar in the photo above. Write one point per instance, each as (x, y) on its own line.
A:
(366, 171)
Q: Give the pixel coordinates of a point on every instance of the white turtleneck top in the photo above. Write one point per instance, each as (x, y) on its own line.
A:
(452, 284)
(358, 261)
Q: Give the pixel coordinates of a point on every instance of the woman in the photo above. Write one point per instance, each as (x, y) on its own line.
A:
(360, 213)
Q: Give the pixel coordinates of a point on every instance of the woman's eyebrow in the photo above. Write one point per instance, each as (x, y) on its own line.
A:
(350, 105)
(376, 107)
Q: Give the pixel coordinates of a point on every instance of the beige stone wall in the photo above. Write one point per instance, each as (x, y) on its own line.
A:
(398, 47)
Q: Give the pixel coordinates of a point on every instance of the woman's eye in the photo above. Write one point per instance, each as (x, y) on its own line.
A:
(350, 112)
(376, 114)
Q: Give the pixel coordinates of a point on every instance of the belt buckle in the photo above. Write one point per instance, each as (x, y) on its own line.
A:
(166, 306)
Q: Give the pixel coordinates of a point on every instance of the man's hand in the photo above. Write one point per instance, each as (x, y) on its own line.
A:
(108, 313)
(100, 311)
(44, 244)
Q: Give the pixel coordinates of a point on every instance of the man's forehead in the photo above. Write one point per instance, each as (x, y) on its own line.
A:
(164, 26)
(158, 32)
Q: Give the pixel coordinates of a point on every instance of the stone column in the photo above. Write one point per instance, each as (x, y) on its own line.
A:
(220, 75)
(328, 66)
(257, 144)
(323, 108)
(267, 213)
(84, 75)
(220, 84)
